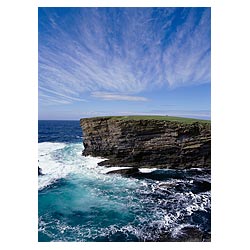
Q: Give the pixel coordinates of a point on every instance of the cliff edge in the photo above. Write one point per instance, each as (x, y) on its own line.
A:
(148, 142)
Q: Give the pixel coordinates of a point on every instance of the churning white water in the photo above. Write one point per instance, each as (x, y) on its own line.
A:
(78, 201)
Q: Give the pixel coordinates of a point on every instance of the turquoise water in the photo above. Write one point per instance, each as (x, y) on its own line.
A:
(78, 201)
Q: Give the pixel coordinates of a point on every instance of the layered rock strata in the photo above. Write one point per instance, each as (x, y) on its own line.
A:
(148, 143)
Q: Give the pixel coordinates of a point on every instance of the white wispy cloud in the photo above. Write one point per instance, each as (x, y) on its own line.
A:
(117, 97)
(187, 57)
(48, 100)
(56, 97)
(123, 51)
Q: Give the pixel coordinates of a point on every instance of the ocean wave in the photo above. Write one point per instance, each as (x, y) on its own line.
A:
(58, 160)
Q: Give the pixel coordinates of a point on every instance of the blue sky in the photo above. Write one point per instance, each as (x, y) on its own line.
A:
(124, 61)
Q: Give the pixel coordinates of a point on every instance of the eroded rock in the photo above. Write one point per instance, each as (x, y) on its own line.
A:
(186, 234)
(40, 171)
(124, 171)
(148, 143)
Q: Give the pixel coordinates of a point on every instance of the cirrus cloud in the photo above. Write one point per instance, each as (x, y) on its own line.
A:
(117, 97)
(119, 53)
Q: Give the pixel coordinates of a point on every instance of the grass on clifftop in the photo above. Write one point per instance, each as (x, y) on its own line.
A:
(154, 117)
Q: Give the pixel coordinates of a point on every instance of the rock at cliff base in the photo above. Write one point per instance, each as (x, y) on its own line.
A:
(125, 171)
(191, 234)
(186, 234)
(40, 171)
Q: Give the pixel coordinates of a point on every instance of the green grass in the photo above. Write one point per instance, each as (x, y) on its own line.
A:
(163, 118)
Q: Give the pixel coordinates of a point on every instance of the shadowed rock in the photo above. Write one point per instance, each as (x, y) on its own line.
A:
(186, 234)
(201, 186)
(127, 171)
(40, 171)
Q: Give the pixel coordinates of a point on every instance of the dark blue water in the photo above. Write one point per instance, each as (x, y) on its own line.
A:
(78, 201)
(59, 131)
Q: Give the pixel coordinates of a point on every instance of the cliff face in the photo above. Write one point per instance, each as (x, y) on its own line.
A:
(148, 143)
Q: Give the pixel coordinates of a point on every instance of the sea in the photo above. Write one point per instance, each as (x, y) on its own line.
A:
(79, 202)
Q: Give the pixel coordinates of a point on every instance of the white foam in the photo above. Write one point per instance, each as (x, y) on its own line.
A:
(58, 160)
(147, 170)
(91, 162)
(49, 166)
(176, 231)
(45, 148)
(194, 202)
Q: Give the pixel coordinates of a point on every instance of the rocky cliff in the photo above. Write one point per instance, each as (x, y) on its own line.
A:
(148, 143)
